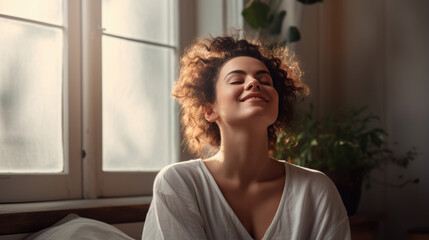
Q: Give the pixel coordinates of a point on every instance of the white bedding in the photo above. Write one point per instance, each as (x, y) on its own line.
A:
(76, 227)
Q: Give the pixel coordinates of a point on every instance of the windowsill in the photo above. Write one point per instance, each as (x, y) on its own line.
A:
(31, 217)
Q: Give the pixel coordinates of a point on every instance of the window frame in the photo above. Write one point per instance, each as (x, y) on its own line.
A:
(66, 185)
(83, 177)
(96, 183)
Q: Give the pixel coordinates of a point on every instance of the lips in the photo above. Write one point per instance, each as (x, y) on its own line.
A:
(254, 97)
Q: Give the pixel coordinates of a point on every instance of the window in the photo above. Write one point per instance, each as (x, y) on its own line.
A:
(138, 66)
(85, 110)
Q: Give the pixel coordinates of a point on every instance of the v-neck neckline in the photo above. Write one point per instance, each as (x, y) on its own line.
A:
(234, 215)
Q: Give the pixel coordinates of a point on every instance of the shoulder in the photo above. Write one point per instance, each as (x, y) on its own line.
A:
(316, 199)
(307, 174)
(178, 174)
(180, 168)
(309, 179)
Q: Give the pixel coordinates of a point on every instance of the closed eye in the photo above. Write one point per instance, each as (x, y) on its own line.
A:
(265, 80)
(266, 83)
(236, 82)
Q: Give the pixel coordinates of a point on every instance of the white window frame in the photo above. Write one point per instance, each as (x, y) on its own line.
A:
(99, 184)
(83, 177)
(33, 187)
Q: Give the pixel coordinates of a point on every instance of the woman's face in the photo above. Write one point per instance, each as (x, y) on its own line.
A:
(245, 93)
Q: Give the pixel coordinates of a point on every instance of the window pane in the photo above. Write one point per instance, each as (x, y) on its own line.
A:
(136, 105)
(50, 11)
(30, 98)
(141, 19)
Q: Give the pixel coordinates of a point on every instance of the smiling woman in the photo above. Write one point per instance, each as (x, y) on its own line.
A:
(199, 71)
(235, 97)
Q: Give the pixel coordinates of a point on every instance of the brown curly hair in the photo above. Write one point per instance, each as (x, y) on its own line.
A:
(195, 86)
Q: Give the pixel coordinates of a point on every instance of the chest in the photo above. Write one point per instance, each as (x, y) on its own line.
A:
(255, 207)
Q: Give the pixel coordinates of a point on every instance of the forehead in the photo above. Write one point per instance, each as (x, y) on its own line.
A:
(244, 63)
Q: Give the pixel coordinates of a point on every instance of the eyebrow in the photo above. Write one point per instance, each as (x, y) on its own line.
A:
(244, 73)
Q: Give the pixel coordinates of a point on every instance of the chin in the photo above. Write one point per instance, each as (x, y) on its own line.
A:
(261, 119)
(264, 116)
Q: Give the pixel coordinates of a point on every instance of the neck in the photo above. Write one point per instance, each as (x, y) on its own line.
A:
(244, 156)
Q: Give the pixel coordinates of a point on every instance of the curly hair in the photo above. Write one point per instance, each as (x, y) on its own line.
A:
(195, 87)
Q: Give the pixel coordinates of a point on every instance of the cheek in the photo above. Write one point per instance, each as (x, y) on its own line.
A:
(227, 95)
(225, 99)
(275, 97)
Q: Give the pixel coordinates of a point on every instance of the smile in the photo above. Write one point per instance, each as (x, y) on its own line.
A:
(254, 98)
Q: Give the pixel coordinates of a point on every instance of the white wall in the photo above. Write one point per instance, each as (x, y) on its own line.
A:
(376, 53)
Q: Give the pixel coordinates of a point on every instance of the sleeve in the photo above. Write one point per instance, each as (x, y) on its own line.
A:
(340, 231)
(334, 222)
(173, 213)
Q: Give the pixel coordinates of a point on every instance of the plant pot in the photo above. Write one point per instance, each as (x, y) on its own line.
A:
(350, 194)
(350, 188)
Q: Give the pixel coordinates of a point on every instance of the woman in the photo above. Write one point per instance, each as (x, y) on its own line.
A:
(235, 97)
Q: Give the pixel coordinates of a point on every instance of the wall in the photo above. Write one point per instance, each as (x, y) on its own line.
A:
(407, 107)
(376, 53)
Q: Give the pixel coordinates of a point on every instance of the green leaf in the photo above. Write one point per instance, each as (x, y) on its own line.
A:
(314, 142)
(275, 25)
(256, 14)
(376, 139)
(293, 35)
(364, 143)
(307, 2)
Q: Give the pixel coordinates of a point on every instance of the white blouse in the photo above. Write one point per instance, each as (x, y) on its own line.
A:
(188, 204)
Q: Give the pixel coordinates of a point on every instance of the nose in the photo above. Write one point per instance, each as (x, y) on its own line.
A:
(253, 84)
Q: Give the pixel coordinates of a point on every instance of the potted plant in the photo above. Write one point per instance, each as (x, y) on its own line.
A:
(266, 19)
(342, 145)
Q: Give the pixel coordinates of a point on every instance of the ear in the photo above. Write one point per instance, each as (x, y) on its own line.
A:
(210, 113)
